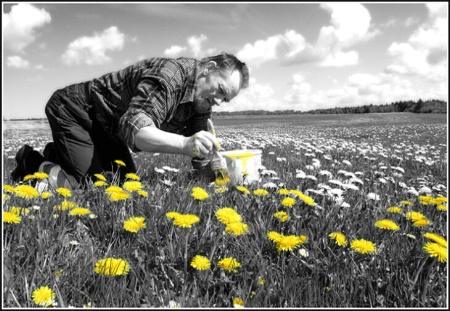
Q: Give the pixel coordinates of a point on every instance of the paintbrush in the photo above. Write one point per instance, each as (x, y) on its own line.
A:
(218, 162)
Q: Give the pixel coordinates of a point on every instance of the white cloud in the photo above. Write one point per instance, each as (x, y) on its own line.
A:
(20, 24)
(350, 25)
(425, 52)
(92, 50)
(174, 51)
(261, 51)
(17, 62)
(195, 45)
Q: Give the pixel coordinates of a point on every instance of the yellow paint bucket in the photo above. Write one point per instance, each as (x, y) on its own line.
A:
(243, 165)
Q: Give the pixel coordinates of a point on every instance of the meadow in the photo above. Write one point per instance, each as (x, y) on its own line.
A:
(350, 211)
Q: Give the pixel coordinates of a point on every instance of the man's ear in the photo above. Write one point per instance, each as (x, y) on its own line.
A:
(210, 65)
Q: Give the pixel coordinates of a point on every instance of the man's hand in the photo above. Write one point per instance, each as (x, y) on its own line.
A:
(201, 144)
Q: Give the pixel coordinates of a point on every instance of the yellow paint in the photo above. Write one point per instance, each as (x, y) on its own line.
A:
(243, 156)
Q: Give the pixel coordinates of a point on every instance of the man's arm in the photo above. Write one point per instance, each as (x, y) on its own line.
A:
(152, 139)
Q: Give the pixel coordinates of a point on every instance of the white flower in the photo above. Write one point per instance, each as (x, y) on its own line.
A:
(311, 177)
(425, 190)
(350, 186)
(75, 243)
(300, 174)
(309, 167)
(413, 191)
(92, 216)
(335, 181)
(325, 173)
(270, 185)
(357, 180)
(36, 207)
(159, 170)
(303, 252)
(347, 163)
(373, 196)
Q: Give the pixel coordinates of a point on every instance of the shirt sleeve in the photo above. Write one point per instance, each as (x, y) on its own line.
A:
(149, 107)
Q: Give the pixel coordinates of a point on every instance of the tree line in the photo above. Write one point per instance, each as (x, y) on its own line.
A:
(420, 106)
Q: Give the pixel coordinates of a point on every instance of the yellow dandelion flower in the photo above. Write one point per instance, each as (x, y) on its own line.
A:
(394, 209)
(133, 176)
(261, 281)
(19, 210)
(28, 177)
(238, 302)
(260, 192)
(221, 189)
(112, 267)
(229, 264)
(307, 199)
(290, 242)
(228, 215)
(186, 220)
(26, 192)
(282, 216)
(436, 250)
(387, 224)
(132, 186)
(45, 195)
(100, 177)
(111, 189)
(199, 194)
(283, 191)
(11, 218)
(339, 238)
(274, 236)
(243, 189)
(172, 215)
(404, 202)
(363, 246)
(222, 181)
(100, 183)
(437, 238)
(440, 200)
(119, 195)
(415, 216)
(421, 222)
(120, 162)
(236, 228)
(425, 199)
(43, 296)
(288, 202)
(134, 224)
(40, 175)
(200, 262)
(64, 192)
(79, 211)
(441, 207)
(142, 193)
(9, 189)
(65, 205)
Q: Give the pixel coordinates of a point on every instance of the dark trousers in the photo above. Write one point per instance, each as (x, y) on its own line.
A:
(82, 146)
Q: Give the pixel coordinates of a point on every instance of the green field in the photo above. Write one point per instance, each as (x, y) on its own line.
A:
(379, 181)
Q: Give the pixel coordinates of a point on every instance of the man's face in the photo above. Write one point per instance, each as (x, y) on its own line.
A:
(213, 88)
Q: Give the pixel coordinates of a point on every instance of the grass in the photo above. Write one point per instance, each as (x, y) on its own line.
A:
(49, 247)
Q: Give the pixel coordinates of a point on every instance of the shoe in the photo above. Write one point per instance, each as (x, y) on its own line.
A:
(28, 161)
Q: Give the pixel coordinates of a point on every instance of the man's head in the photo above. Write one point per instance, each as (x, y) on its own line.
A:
(219, 79)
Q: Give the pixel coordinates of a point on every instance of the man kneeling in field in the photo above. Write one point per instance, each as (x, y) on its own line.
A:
(155, 105)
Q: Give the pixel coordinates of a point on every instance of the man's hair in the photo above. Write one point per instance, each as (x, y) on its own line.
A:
(228, 62)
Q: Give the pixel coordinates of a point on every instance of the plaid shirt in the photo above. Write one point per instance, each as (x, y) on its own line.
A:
(153, 92)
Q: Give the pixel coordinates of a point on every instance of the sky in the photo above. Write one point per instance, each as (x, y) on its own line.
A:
(301, 56)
